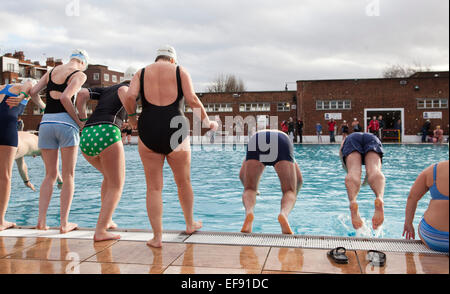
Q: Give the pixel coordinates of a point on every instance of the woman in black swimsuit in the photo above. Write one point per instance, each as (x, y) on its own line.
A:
(164, 133)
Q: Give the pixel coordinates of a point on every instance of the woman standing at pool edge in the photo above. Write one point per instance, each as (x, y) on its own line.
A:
(59, 129)
(433, 229)
(10, 97)
(160, 134)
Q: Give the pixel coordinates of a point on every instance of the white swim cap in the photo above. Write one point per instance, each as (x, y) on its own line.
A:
(129, 74)
(82, 56)
(167, 50)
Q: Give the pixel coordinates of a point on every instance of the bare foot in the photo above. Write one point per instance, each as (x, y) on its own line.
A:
(285, 228)
(248, 223)
(6, 225)
(68, 228)
(42, 227)
(104, 236)
(112, 226)
(356, 218)
(155, 242)
(194, 227)
(378, 216)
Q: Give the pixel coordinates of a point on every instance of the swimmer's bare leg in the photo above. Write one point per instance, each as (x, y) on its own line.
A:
(377, 182)
(353, 185)
(287, 173)
(6, 165)
(251, 171)
(153, 167)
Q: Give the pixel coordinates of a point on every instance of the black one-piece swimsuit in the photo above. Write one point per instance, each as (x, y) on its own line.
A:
(154, 124)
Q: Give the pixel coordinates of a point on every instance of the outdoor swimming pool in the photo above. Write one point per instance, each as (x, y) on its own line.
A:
(321, 209)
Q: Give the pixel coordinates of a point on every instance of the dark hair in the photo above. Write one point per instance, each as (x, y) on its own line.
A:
(163, 57)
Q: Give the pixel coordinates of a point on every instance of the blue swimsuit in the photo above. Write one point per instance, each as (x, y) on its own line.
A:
(8, 119)
(435, 239)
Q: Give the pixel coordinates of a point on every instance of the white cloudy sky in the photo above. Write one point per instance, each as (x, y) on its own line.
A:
(265, 42)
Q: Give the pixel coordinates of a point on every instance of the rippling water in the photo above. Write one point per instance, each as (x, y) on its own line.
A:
(321, 209)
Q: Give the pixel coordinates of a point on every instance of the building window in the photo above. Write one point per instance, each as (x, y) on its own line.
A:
(333, 105)
(122, 79)
(96, 76)
(283, 107)
(106, 77)
(114, 78)
(218, 107)
(187, 108)
(10, 67)
(428, 103)
(254, 107)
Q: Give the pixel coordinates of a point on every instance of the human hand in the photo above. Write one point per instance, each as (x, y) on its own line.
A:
(30, 185)
(213, 125)
(132, 121)
(409, 232)
(14, 101)
(81, 124)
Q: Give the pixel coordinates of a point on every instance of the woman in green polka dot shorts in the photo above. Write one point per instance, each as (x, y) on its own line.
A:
(101, 145)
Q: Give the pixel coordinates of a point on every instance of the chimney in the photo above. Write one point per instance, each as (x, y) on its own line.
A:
(58, 62)
(36, 63)
(8, 55)
(50, 62)
(19, 55)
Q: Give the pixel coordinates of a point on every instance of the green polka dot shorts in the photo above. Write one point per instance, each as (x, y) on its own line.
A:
(95, 139)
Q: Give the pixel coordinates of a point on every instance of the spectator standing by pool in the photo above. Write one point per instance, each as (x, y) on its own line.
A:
(291, 128)
(300, 130)
(425, 130)
(374, 126)
(344, 130)
(284, 127)
(164, 134)
(332, 130)
(355, 126)
(357, 150)
(381, 125)
(278, 151)
(433, 228)
(438, 135)
(319, 132)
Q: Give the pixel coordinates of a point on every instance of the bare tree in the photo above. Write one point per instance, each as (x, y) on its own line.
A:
(403, 71)
(226, 83)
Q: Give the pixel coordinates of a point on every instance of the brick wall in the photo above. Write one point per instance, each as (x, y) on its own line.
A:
(373, 93)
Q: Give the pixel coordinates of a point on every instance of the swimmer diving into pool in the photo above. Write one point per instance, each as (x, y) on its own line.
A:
(28, 146)
(360, 149)
(270, 148)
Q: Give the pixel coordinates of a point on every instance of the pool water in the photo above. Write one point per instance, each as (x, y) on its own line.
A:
(321, 208)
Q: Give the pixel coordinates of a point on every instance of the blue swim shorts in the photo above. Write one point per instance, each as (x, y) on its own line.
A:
(362, 143)
(56, 135)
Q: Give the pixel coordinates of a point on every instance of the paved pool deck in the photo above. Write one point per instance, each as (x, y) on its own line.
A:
(28, 251)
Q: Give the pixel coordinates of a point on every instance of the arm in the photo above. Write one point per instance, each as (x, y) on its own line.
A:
(193, 101)
(73, 87)
(82, 99)
(34, 92)
(23, 171)
(129, 102)
(416, 193)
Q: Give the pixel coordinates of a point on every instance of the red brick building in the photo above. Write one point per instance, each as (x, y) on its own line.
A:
(413, 100)
(258, 105)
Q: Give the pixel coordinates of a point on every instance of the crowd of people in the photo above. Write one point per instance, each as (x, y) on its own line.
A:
(163, 86)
